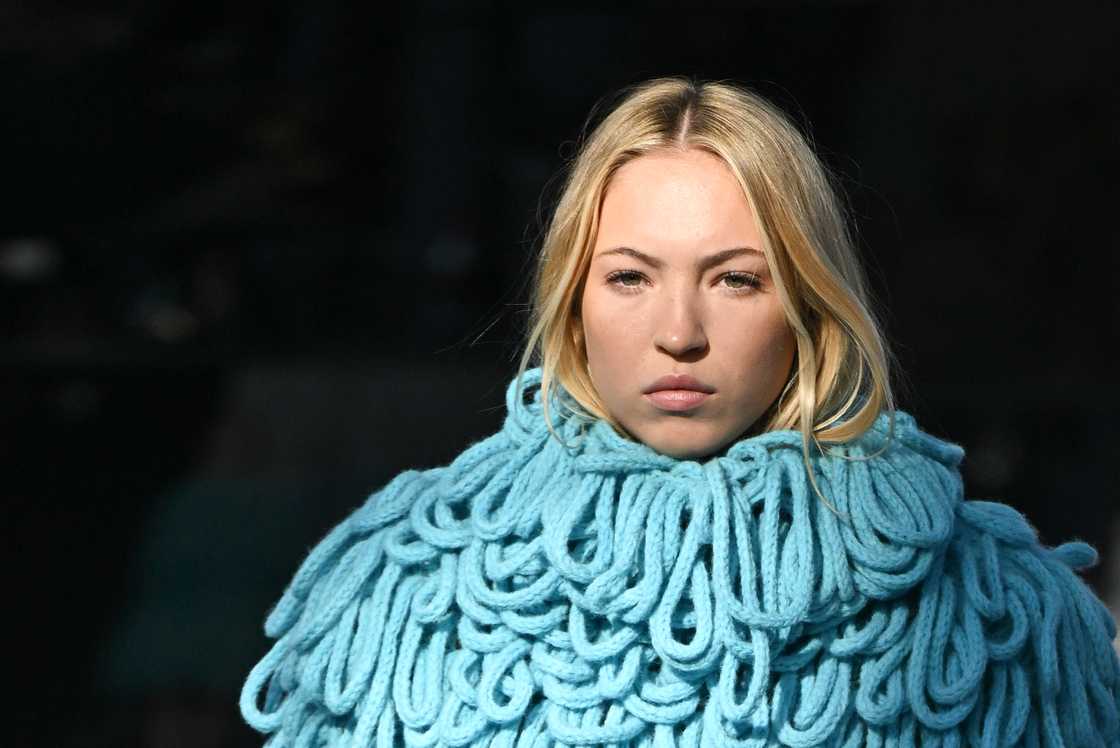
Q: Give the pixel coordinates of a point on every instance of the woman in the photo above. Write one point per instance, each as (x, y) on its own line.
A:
(703, 521)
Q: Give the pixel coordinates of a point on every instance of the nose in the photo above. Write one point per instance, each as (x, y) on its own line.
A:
(680, 329)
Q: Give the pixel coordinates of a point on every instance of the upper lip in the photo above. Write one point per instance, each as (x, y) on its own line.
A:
(678, 382)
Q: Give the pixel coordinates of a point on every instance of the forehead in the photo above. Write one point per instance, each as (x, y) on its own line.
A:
(676, 200)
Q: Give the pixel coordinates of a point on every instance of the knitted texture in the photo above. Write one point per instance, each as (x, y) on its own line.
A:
(532, 594)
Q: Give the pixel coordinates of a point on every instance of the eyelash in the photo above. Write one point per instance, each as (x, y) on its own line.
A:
(753, 281)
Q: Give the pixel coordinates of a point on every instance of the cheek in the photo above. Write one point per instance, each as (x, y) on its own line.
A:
(780, 363)
(769, 343)
(781, 349)
(607, 327)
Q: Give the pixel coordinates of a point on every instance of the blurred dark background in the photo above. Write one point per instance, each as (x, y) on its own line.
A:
(255, 259)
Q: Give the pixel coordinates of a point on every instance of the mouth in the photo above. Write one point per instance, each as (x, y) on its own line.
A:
(678, 382)
(676, 401)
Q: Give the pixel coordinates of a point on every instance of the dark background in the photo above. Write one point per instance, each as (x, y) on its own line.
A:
(255, 259)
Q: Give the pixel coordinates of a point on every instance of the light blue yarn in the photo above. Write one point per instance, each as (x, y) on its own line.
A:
(529, 594)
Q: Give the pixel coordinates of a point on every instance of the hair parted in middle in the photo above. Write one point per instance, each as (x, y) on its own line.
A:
(840, 379)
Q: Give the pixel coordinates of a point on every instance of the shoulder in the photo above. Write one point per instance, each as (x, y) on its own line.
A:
(368, 614)
(999, 640)
(1005, 631)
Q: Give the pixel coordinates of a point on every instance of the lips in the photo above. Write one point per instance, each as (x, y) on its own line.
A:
(677, 392)
(679, 382)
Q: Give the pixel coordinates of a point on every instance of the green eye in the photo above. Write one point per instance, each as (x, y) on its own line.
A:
(620, 277)
(747, 281)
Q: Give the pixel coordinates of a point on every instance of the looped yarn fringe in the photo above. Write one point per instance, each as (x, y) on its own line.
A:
(529, 594)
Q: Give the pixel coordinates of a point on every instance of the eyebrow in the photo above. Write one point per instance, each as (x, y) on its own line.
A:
(702, 264)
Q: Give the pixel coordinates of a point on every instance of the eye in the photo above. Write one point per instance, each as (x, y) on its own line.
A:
(742, 282)
(627, 280)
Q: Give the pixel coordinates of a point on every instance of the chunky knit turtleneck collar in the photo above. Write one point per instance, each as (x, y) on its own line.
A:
(614, 513)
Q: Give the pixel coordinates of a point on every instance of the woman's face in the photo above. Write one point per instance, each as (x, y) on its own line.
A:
(678, 284)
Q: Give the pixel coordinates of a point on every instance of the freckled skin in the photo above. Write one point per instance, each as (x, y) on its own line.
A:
(648, 322)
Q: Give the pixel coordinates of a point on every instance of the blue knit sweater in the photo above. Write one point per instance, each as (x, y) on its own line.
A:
(600, 593)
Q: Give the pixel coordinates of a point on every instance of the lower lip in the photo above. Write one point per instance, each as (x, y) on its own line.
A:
(677, 400)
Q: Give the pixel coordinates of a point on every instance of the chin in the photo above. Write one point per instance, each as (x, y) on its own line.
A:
(685, 447)
(697, 455)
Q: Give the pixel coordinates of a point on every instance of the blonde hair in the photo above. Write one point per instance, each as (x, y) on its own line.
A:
(840, 380)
